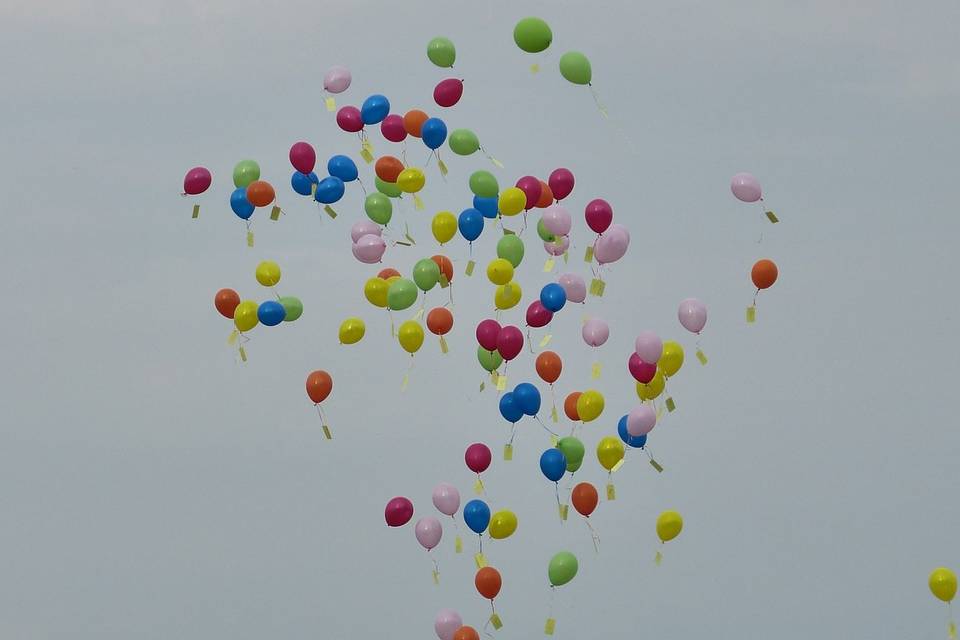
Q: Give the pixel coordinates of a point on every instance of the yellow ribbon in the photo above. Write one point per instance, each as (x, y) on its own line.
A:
(480, 560)
(546, 340)
(501, 383)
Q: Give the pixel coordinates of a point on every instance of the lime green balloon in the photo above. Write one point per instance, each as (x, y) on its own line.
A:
(401, 294)
(573, 450)
(545, 235)
(463, 142)
(575, 67)
(245, 172)
(483, 184)
(378, 208)
(563, 567)
(293, 307)
(388, 189)
(426, 274)
(489, 360)
(442, 52)
(533, 35)
(510, 248)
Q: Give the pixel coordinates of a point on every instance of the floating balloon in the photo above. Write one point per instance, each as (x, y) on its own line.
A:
(271, 313)
(561, 183)
(489, 207)
(446, 499)
(226, 302)
(558, 247)
(388, 168)
(197, 181)
(434, 133)
(641, 420)
(387, 188)
(342, 167)
(595, 332)
(401, 294)
(499, 271)
(599, 215)
(392, 128)
(478, 457)
(483, 184)
(245, 316)
(512, 201)
(557, 220)
(369, 249)
(375, 291)
(527, 397)
(329, 190)
(648, 346)
(378, 208)
(553, 297)
(463, 142)
(349, 119)
(488, 334)
(538, 315)
(573, 450)
(590, 405)
(489, 360)
(637, 442)
(440, 321)
(510, 408)
(319, 386)
(640, 370)
(943, 584)
(584, 498)
(544, 234)
(470, 224)
(398, 511)
(510, 248)
(374, 109)
(510, 342)
(672, 358)
(446, 624)
(531, 189)
(503, 524)
(303, 157)
(532, 35)
(652, 389)
(549, 366)
(303, 183)
(609, 452)
(476, 514)
(764, 274)
(575, 68)
(692, 315)
(426, 274)
(260, 193)
(413, 121)
(442, 53)
(574, 286)
(411, 180)
(240, 205)
(448, 92)
(245, 172)
(388, 274)
(612, 245)
(337, 79)
(553, 464)
(428, 531)
(570, 406)
(268, 273)
(562, 569)
(362, 228)
(669, 525)
(488, 582)
(293, 307)
(507, 296)
(745, 187)
(444, 226)
(410, 336)
(446, 267)
(546, 196)
(466, 632)
(352, 331)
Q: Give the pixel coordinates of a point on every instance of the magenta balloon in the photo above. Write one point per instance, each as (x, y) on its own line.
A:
(364, 228)
(641, 371)
(648, 346)
(478, 457)
(369, 249)
(197, 181)
(595, 332)
(392, 128)
(488, 332)
(611, 246)
(557, 220)
(448, 92)
(745, 187)
(510, 342)
(641, 420)
(532, 188)
(574, 285)
(337, 79)
(446, 623)
(446, 498)
(303, 157)
(538, 315)
(599, 215)
(348, 119)
(558, 247)
(398, 512)
(692, 315)
(561, 183)
(428, 531)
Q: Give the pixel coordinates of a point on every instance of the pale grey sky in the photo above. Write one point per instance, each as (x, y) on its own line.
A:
(153, 488)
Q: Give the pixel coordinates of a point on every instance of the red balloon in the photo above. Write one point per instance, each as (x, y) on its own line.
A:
(226, 302)
(197, 181)
(584, 498)
(319, 386)
(439, 321)
(531, 187)
(510, 342)
(398, 512)
(538, 315)
(388, 273)
(446, 266)
(303, 157)
(466, 632)
(388, 168)
(348, 119)
(599, 215)
(561, 183)
(488, 582)
(392, 128)
(546, 196)
(641, 371)
(260, 193)
(448, 92)
(478, 457)
(488, 334)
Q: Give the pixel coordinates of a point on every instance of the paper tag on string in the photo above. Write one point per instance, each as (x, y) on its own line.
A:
(436, 577)
(702, 357)
(657, 558)
(196, 211)
(617, 466)
(501, 383)
(366, 144)
(478, 487)
(470, 265)
(597, 287)
(419, 314)
(554, 415)
(496, 162)
(548, 265)
(656, 465)
(444, 283)
(313, 190)
(772, 217)
(326, 433)
(952, 630)
(275, 213)
(534, 68)
(243, 354)
(458, 544)
(545, 340)
(553, 440)
(564, 510)
(508, 232)
(480, 560)
(595, 370)
(588, 256)
(329, 211)
(611, 491)
(751, 314)
(331, 104)
(232, 338)
(417, 202)
(406, 381)
(366, 155)
(249, 238)
(508, 452)
(444, 348)
(443, 168)
(671, 405)
(483, 385)
(549, 626)
(566, 257)
(496, 622)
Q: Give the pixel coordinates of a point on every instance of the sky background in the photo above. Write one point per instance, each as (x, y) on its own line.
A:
(153, 487)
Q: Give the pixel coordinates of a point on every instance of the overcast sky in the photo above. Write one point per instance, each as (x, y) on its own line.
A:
(153, 487)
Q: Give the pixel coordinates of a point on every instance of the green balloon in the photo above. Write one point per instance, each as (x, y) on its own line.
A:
(575, 67)
(293, 307)
(463, 142)
(426, 273)
(441, 52)
(510, 248)
(533, 35)
(378, 208)
(563, 567)
(388, 189)
(245, 172)
(483, 184)
(401, 294)
(489, 360)
(573, 451)
(545, 235)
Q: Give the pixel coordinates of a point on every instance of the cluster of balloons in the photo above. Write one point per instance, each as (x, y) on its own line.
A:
(305, 182)
(248, 314)
(746, 188)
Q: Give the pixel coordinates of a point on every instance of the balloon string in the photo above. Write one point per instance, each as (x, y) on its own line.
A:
(755, 297)
(593, 534)
(513, 434)
(436, 564)
(556, 491)
(403, 152)
(362, 186)
(483, 488)
(429, 158)
(480, 537)
(551, 432)
(530, 340)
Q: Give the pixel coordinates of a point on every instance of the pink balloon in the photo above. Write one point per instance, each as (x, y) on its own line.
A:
(595, 332)
(619, 228)
(641, 420)
(364, 228)
(303, 157)
(398, 512)
(337, 79)
(692, 315)
(599, 215)
(428, 531)
(561, 183)
(197, 181)
(446, 623)
(369, 249)
(574, 285)
(488, 332)
(538, 315)
(446, 498)
(745, 187)
(348, 119)
(558, 247)
(641, 371)
(478, 457)
(448, 92)
(557, 220)
(392, 128)
(532, 188)
(648, 346)
(510, 342)
(611, 246)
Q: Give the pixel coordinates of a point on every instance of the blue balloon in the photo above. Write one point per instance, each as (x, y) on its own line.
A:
(471, 225)
(527, 397)
(553, 464)
(553, 297)
(476, 514)
(342, 167)
(637, 442)
(509, 408)
(330, 190)
(271, 313)
(240, 205)
(374, 109)
(303, 183)
(434, 133)
(489, 207)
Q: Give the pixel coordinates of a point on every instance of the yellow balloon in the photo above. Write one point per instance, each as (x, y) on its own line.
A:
(444, 226)
(590, 405)
(352, 330)
(507, 296)
(245, 315)
(410, 335)
(609, 452)
(502, 524)
(411, 180)
(672, 358)
(669, 525)
(512, 201)
(943, 583)
(268, 273)
(653, 388)
(500, 271)
(375, 291)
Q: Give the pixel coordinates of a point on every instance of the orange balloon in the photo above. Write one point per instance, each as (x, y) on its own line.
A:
(388, 273)
(319, 386)
(549, 367)
(570, 406)
(488, 582)
(546, 196)
(584, 498)
(439, 321)
(764, 274)
(446, 266)
(260, 193)
(413, 122)
(466, 633)
(226, 302)
(388, 168)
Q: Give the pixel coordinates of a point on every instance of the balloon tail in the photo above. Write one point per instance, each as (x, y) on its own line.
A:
(323, 422)
(546, 428)
(550, 625)
(249, 235)
(433, 152)
(530, 340)
(495, 162)
(596, 99)
(436, 567)
(593, 534)
(393, 329)
(362, 186)
(478, 487)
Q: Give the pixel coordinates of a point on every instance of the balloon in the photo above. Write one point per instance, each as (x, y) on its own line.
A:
(470, 224)
(448, 92)
(489, 360)
(669, 525)
(413, 122)
(337, 79)
(434, 133)
(488, 582)
(527, 397)
(392, 128)
(342, 167)
(477, 457)
(636, 442)
(426, 274)
(446, 624)
(692, 315)
(268, 273)
(648, 346)
(611, 246)
(260, 193)
(549, 366)
(369, 249)
(584, 498)
(532, 35)
(745, 187)
(375, 291)
(590, 405)
(476, 514)
(411, 180)
(303, 157)
(401, 294)
(558, 247)
(507, 296)
(446, 267)
(510, 408)
(531, 189)
(653, 388)
(197, 181)
(444, 226)
(374, 109)
(428, 531)
(398, 512)
(488, 334)
(640, 370)
(510, 342)
(553, 297)
(553, 464)
(641, 420)
(362, 228)
(349, 119)
(570, 406)
(562, 569)
(503, 524)
(226, 302)
(387, 188)
(609, 452)
(672, 358)
(388, 168)
(319, 386)
(598, 214)
(575, 68)
(943, 583)
(538, 315)
(440, 321)
(446, 498)
(245, 172)
(329, 190)
(557, 220)
(574, 286)
(510, 248)
(489, 207)
(410, 336)
(442, 53)
(240, 205)
(544, 234)
(483, 184)
(764, 274)
(271, 313)
(546, 196)
(352, 331)
(595, 332)
(293, 308)
(573, 451)
(303, 183)
(466, 632)
(245, 316)
(378, 208)
(388, 274)
(561, 183)
(512, 201)
(499, 271)
(463, 142)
